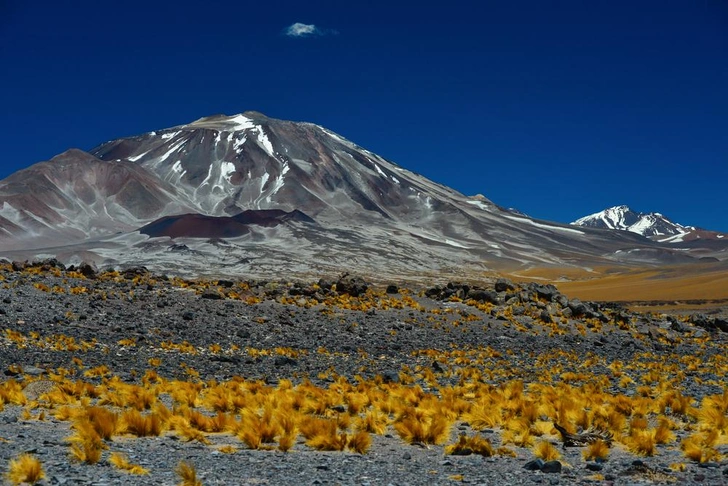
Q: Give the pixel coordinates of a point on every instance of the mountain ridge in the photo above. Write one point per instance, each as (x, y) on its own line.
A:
(371, 214)
(653, 225)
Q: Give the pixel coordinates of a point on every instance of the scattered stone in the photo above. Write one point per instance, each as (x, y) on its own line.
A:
(352, 285)
(212, 294)
(392, 289)
(504, 285)
(390, 376)
(88, 270)
(534, 465)
(480, 295)
(284, 361)
(33, 370)
(551, 467)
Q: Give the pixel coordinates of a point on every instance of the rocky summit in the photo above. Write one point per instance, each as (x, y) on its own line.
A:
(141, 199)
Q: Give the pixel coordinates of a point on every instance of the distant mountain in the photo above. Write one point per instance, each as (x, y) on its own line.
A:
(249, 194)
(655, 226)
(624, 218)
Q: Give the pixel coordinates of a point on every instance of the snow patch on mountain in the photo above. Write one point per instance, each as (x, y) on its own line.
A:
(625, 219)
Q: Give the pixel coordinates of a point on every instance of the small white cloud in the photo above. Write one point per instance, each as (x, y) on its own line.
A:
(302, 30)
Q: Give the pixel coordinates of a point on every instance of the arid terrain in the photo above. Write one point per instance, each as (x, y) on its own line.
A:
(129, 377)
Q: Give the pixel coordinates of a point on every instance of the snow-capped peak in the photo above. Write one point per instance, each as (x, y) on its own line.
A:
(625, 219)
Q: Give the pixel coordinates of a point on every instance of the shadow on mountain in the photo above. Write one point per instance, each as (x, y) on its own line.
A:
(202, 226)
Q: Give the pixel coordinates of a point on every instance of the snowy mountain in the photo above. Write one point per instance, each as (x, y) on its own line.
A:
(248, 194)
(624, 218)
(655, 226)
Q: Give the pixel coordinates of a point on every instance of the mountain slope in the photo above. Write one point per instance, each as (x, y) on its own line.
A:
(366, 213)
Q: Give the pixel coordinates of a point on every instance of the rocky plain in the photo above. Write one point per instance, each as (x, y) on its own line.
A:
(338, 381)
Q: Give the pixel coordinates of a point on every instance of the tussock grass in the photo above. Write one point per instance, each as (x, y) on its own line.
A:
(546, 451)
(121, 461)
(596, 450)
(187, 474)
(25, 469)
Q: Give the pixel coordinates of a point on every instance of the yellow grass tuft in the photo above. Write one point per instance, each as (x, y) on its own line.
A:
(543, 427)
(546, 451)
(359, 442)
(228, 449)
(185, 431)
(26, 468)
(414, 426)
(323, 435)
(121, 461)
(663, 433)
(700, 447)
(104, 422)
(140, 425)
(187, 474)
(470, 445)
(596, 450)
(86, 443)
(642, 442)
(373, 421)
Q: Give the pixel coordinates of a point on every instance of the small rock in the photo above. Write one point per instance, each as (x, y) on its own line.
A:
(709, 465)
(407, 456)
(390, 377)
(551, 467)
(593, 466)
(392, 289)
(535, 465)
(33, 371)
(212, 295)
(284, 361)
(188, 316)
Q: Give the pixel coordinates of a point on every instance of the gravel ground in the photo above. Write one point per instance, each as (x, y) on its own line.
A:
(273, 331)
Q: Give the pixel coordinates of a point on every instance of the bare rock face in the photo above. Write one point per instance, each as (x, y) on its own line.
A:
(248, 193)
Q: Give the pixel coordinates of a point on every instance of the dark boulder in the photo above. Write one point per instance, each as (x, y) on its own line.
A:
(546, 292)
(551, 467)
(481, 295)
(88, 270)
(504, 285)
(212, 295)
(352, 285)
(535, 465)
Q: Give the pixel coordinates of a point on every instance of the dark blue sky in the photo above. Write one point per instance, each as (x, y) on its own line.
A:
(559, 109)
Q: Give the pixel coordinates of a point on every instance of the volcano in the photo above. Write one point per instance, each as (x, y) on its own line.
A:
(252, 194)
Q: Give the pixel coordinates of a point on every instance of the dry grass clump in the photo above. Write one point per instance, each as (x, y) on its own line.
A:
(470, 445)
(596, 450)
(187, 474)
(121, 461)
(416, 425)
(546, 451)
(86, 443)
(700, 447)
(133, 422)
(25, 469)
